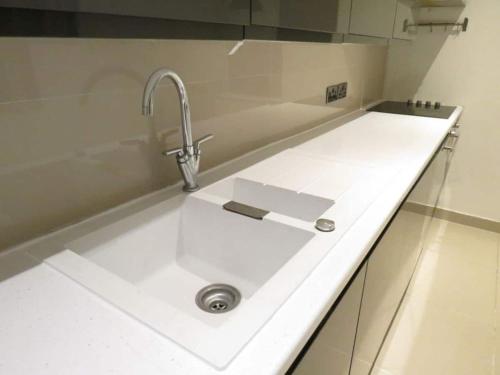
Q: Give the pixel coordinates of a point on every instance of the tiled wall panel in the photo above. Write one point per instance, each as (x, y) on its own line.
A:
(72, 139)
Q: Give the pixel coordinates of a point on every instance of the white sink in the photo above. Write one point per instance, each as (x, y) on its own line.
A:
(197, 244)
(152, 264)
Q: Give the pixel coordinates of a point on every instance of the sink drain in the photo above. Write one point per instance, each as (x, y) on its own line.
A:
(218, 298)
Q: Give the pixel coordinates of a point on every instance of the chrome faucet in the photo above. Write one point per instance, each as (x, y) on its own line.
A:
(188, 156)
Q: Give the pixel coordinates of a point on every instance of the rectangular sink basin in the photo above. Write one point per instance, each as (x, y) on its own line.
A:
(152, 264)
(271, 198)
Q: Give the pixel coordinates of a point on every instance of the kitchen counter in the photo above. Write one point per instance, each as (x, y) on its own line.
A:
(49, 324)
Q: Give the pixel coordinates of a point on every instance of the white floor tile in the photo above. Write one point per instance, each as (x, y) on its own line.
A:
(446, 324)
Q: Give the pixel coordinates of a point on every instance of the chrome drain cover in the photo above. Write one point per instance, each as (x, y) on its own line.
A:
(218, 298)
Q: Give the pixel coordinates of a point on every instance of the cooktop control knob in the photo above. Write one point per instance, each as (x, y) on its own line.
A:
(419, 103)
(428, 104)
(437, 105)
(409, 102)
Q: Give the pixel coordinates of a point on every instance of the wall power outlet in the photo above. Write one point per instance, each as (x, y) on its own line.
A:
(336, 92)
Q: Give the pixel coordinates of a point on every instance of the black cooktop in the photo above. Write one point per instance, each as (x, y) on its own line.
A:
(426, 109)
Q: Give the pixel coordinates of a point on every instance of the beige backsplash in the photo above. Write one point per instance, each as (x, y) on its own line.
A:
(73, 142)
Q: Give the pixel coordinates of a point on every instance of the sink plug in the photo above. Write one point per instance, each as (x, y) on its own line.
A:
(325, 225)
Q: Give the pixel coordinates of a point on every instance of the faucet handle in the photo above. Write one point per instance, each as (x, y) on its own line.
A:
(173, 151)
(199, 141)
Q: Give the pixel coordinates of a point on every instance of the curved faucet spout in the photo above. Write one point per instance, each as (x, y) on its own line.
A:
(147, 103)
(188, 156)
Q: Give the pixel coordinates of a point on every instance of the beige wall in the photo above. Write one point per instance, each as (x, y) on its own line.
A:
(460, 69)
(73, 142)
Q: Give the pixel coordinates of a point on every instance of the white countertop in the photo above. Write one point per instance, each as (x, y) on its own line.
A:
(49, 324)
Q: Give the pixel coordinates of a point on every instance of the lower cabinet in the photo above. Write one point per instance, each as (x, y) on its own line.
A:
(389, 270)
(331, 351)
(351, 338)
(392, 262)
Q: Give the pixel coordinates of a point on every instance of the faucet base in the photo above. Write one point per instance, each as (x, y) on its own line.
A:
(190, 189)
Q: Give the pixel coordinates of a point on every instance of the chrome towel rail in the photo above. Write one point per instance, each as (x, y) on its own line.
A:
(462, 25)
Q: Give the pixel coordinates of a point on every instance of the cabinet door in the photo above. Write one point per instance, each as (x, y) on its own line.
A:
(404, 12)
(391, 266)
(428, 191)
(331, 351)
(388, 272)
(313, 15)
(373, 17)
(217, 11)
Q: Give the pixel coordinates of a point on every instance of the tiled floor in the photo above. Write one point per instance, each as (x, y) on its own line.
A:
(449, 322)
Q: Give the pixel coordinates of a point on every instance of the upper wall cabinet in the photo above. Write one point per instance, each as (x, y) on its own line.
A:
(362, 21)
(236, 12)
(331, 16)
(373, 18)
(404, 12)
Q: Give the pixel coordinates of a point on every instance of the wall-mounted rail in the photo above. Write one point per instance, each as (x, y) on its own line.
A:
(461, 25)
